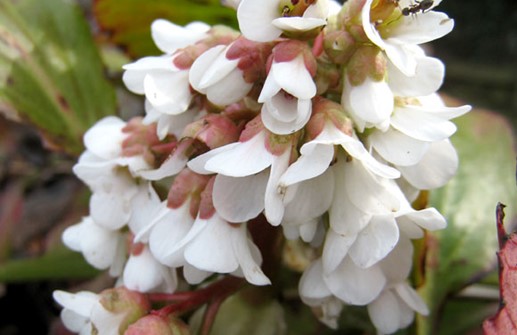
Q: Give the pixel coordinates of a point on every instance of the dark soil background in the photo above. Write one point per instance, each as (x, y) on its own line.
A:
(38, 194)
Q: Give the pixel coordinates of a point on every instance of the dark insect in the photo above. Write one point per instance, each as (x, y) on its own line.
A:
(422, 6)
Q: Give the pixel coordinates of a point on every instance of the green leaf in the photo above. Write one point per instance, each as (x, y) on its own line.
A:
(58, 263)
(128, 22)
(465, 251)
(241, 315)
(51, 74)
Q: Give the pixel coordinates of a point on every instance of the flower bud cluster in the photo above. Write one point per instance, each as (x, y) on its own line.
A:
(322, 118)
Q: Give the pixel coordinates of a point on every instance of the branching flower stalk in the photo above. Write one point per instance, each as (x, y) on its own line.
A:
(317, 123)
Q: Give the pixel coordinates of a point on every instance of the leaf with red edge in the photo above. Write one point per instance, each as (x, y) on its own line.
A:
(127, 23)
(505, 321)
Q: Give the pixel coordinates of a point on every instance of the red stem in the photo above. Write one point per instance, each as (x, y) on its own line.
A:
(187, 301)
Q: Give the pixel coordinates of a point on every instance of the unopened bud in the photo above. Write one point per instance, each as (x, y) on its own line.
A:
(121, 301)
(214, 130)
(325, 111)
(158, 325)
(339, 46)
(367, 61)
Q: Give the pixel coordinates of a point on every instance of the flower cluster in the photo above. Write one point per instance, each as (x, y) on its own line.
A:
(321, 118)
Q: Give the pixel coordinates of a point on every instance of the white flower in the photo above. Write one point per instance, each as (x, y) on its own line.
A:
(101, 247)
(170, 37)
(83, 313)
(101, 168)
(219, 78)
(264, 21)
(247, 180)
(397, 38)
(287, 95)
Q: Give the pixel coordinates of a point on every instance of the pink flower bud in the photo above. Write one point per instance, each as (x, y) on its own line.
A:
(158, 325)
(367, 61)
(131, 304)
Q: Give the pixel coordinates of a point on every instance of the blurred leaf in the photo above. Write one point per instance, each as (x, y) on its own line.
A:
(239, 315)
(465, 251)
(58, 263)
(128, 22)
(50, 71)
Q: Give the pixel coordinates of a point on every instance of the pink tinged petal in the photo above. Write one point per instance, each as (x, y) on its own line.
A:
(368, 192)
(285, 115)
(311, 200)
(212, 249)
(335, 250)
(421, 125)
(169, 92)
(169, 37)
(273, 202)
(242, 249)
(193, 275)
(385, 312)
(80, 303)
(230, 89)
(411, 298)
(353, 285)
(240, 199)
(169, 230)
(297, 23)
(294, 78)
(314, 161)
(372, 101)
(142, 272)
(427, 80)
(397, 147)
(242, 160)
(105, 138)
(255, 19)
(428, 27)
(435, 169)
(344, 217)
(375, 241)
(311, 285)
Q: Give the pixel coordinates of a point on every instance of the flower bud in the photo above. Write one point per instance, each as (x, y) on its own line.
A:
(214, 130)
(158, 325)
(339, 46)
(121, 301)
(324, 111)
(367, 61)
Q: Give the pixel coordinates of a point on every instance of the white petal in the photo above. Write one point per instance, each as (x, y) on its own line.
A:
(375, 241)
(428, 218)
(239, 199)
(371, 101)
(169, 92)
(353, 285)
(251, 269)
(169, 37)
(274, 207)
(255, 20)
(135, 73)
(428, 78)
(75, 322)
(294, 78)
(245, 159)
(385, 312)
(105, 138)
(142, 272)
(80, 302)
(146, 205)
(229, 90)
(284, 115)
(212, 249)
(270, 88)
(193, 275)
(335, 249)
(297, 23)
(402, 56)
(198, 70)
(421, 125)
(170, 167)
(426, 28)
(315, 160)
(198, 164)
(311, 285)
(99, 245)
(369, 28)
(398, 148)
(397, 265)
(410, 297)
(435, 169)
